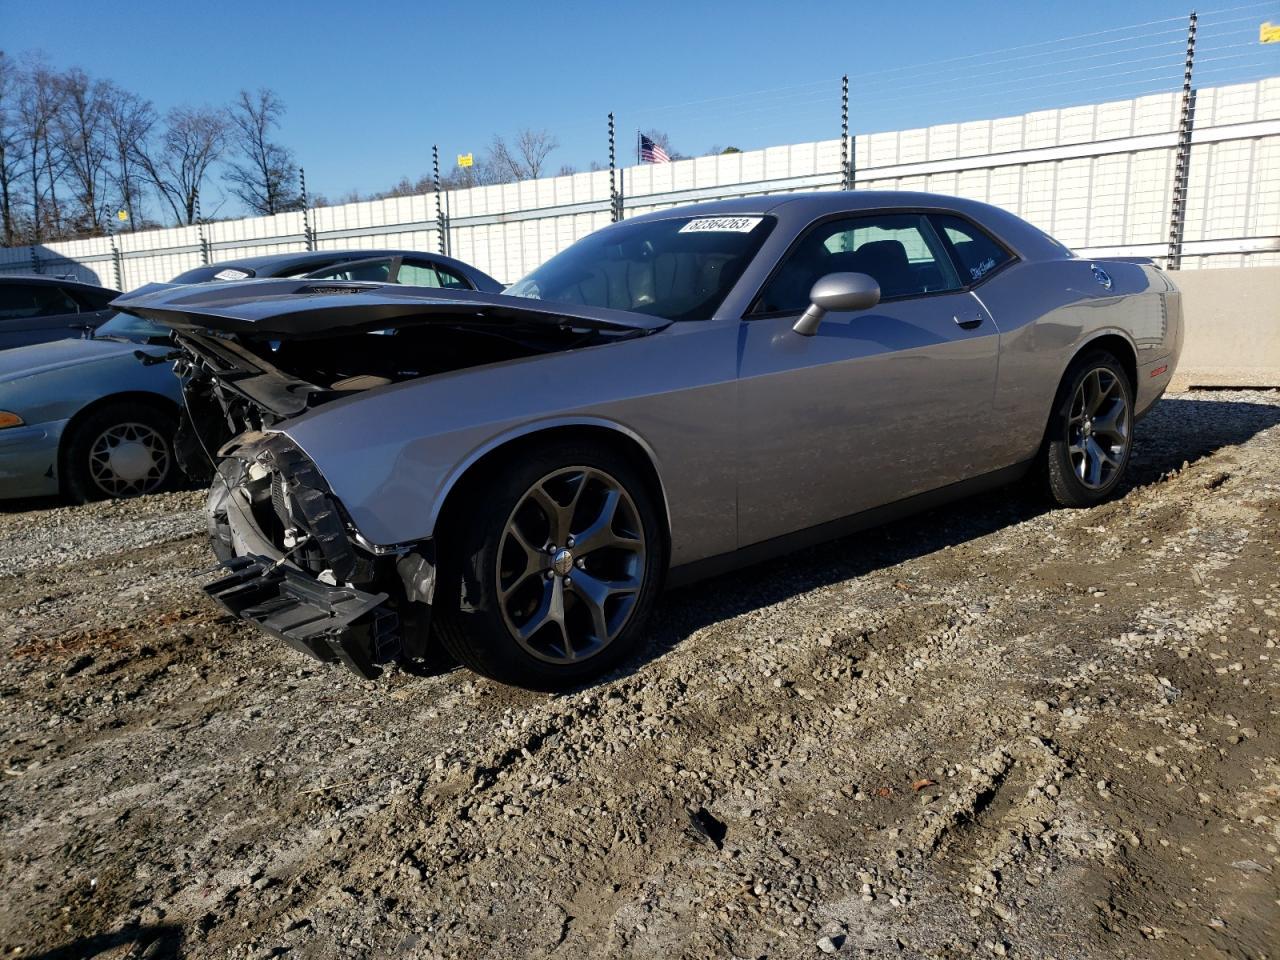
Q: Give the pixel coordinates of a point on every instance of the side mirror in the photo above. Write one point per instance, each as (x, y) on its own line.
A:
(840, 292)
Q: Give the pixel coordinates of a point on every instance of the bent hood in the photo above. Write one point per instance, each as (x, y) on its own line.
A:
(315, 308)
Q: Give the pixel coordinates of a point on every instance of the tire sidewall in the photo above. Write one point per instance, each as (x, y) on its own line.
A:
(467, 594)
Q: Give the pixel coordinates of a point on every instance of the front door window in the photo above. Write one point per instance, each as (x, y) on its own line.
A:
(901, 252)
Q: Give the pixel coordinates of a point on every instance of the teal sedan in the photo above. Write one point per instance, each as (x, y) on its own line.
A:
(89, 418)
(98, 417)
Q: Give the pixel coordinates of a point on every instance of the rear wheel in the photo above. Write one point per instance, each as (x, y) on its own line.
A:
(552, 572)
(1090, 433)
(121, 449)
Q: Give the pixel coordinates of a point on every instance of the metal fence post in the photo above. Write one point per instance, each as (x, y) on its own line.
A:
(1182, 162)
(442, 223)
(613, 176)
(308, 237)
(846, 165)
(204, 244)
(35, 260)
(117, 261)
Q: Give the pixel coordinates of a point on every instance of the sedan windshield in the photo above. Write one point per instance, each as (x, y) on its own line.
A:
(680, 269)
(122, 326)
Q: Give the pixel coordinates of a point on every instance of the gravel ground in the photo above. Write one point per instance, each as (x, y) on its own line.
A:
(991, 730)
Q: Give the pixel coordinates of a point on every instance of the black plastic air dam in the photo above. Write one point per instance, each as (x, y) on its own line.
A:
(332, 624)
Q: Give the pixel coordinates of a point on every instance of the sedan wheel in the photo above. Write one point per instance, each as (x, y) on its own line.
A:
(550, 566)
(571, 564)
(129, 459)
(121, 449)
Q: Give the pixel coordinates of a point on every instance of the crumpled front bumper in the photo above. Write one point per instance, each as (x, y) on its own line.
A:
(349, 612)
(333, 624)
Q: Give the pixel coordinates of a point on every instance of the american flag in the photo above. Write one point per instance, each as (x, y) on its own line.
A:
(650, 152)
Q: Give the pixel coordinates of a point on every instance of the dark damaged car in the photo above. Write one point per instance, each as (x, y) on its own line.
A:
(517, 475)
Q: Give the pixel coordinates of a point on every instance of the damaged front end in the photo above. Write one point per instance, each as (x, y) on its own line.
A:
(295, 567)
(257, 354)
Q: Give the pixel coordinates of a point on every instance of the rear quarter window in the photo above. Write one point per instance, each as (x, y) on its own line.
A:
(977, 253)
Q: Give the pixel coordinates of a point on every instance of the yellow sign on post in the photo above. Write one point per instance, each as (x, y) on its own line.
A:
(466, 160)
(1269, 32)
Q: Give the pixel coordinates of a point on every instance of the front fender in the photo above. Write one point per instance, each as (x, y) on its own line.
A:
(412, 512)
(392, 455)
(542, 426)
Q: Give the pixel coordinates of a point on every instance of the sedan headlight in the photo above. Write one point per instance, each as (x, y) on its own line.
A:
(8, 419)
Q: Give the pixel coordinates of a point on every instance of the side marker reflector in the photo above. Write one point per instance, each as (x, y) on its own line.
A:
(1159, 370)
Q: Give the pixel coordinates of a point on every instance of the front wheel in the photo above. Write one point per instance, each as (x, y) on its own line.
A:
(550, 575)
(1090, 432)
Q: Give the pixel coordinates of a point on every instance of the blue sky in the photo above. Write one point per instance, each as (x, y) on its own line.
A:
(370, 87)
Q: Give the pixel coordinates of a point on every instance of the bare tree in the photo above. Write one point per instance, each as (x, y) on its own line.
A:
(192, 141)
(38, 102)
(130, 120)
(525, 158)
(81, 128)
(264, 174)
(10, 149)
(483, 172)
(407, 188)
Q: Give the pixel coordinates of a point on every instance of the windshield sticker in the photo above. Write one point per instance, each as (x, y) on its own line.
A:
(721, 225)
(982, 269)
(230, 274)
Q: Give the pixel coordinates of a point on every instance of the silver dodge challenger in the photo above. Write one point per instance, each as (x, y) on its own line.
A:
(517, 475)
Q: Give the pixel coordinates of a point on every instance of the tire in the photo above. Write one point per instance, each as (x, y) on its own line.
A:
(498, 580)
(122, 449)
(229, 474)
(1090, 435)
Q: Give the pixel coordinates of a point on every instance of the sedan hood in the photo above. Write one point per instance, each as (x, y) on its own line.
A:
(312, 308)
(21, 362)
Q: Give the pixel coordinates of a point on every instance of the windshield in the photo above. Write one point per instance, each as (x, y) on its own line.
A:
(680, 269)
(122, 326)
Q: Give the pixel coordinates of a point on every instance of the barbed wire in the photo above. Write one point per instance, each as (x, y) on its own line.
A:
(1116, 63)
(1120, 62)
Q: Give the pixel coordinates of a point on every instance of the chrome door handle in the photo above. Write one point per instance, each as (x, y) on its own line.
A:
(968, 323)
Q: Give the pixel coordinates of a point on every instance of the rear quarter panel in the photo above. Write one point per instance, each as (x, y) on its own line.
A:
(1048, 312)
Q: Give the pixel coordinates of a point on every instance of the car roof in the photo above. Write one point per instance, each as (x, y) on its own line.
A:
(834, 200)
(799, 209)
(42, 280)
(270, 265)
(286, 261)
